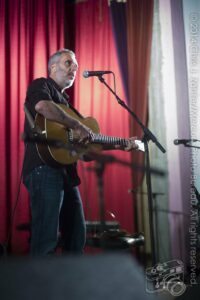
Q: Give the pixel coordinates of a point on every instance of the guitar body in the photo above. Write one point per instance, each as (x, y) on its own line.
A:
(56, 156)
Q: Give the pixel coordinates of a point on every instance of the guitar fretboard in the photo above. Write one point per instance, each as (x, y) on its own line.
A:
(104, 139)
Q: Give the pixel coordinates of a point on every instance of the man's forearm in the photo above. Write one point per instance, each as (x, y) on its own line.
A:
(53, 112)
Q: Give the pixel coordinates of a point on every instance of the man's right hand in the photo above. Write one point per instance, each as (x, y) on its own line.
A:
(83, 134)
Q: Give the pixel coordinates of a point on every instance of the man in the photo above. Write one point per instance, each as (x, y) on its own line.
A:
(53, 191)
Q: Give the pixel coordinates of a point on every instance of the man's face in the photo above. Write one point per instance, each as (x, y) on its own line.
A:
(64, 71)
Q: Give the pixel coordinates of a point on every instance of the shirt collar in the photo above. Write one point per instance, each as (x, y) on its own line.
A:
(58, 87)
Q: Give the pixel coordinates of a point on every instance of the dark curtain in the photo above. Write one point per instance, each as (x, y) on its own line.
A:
(119, 27)
(30, 32)
(132, 26)
(139, 37)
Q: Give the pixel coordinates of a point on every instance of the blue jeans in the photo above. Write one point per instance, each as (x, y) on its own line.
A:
(55, 206)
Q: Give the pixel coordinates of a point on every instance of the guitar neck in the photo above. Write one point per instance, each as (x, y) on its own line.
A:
(109, 140)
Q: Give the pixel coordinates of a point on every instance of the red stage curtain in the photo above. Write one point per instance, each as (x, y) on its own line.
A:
(30, 32)
(95, 50)
(139, 36)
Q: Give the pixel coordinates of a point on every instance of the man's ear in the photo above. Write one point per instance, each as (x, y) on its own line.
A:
(53, 68)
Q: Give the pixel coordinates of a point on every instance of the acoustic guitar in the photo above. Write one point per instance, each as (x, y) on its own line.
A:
(67, 150)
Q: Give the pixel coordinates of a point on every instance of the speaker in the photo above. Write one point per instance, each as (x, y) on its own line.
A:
(104, 276)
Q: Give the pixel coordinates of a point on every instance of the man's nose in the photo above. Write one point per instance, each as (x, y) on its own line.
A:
(74, 67)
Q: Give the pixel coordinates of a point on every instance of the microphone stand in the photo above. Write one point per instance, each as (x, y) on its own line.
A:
(99, 170)
(186, 143)
(191, 146)
(148, 135)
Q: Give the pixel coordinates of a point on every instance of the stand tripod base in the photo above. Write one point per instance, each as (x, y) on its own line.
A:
(115, 240)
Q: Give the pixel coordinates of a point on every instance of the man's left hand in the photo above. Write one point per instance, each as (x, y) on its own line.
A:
(131, 145)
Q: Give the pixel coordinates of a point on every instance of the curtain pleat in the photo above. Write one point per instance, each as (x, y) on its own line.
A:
(119, 27)
(139, 37)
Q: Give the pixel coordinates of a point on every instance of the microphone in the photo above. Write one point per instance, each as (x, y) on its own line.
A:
(87, 74)
(183, 141)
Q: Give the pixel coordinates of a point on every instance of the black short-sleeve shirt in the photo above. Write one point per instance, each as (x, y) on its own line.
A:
(44, 89)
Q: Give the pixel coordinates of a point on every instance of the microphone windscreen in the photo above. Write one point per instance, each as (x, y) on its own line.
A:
(176, 142)
(85, 74)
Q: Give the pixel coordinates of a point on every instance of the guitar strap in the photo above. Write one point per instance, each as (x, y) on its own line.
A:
(76, 111)
(34, 128)
(70, 105)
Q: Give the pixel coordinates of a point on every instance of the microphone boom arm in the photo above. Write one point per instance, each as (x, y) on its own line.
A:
(149, 135)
